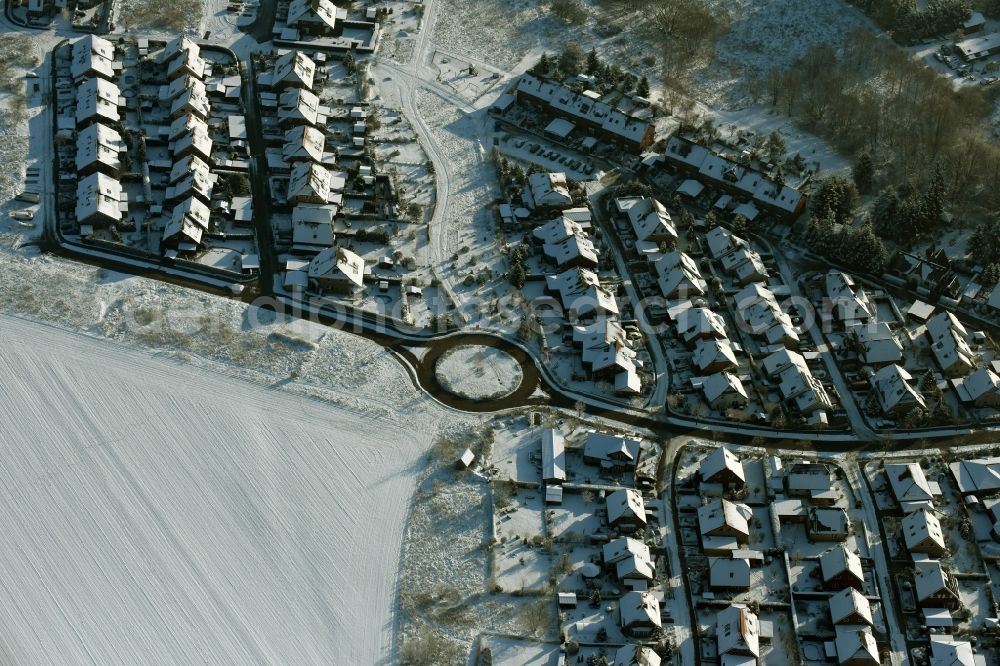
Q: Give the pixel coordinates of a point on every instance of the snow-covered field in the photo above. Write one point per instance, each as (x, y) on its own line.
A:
(156, 512)
(478, 372)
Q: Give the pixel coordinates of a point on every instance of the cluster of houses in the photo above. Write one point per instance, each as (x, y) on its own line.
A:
(567, 246)
(322, 25)
(304, 175)
(584, 116)
(746, 191)
(149, 158)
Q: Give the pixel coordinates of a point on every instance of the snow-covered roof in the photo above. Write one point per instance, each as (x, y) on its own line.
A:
(303, 142)
(182, 124)
(721, 460)
(309, 181)
(909, 484)
(581, 292)
(185, 166)
(979, 476)
(186, 62)
(194, 100)
(320, 12)
(893, 390)
(98, 98)
(722, 384)
(931, 579)
(694, 323)
(294, 68)
(175, 46)
(603, 446)
(947, 651)
(298, 105)
(856, 645)
(922, 529)
(978, 385)
(649, 218)
(338, 262)
(732, 572)
(714, 352)
(737, 631)
(195, 140)
(621, 548)
(98, 194)
(850, 607)
(636, 655)
(549, 189)
(98, 144)
(639, 608)
(553, 455)
(878, 344)
(839, 560)
(625, 503)
(850, 301)
(92, 55)
(722, 517)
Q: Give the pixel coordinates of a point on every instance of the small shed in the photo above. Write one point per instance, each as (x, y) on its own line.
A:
(567, 599)
(465, 460)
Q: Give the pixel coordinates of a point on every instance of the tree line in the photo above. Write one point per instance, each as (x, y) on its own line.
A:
(909, 24)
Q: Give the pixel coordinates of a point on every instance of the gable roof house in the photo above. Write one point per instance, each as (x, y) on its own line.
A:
(187, 61)
(639, 612)
(980, 478)
(758, 310)
(850, 607)
(293, 69)
(611, 452)
(909, 486)
(649, 218)
(949, 344)
(98, 100)
(737, 631)
(316, 17)
(622, 548)
(679, 276)
(721, 241)
(581, 293)
(877, 346)
(856, 646)
(303, 142)
(891, 388)
(722, 518)
(946, 651)
(712, 356)
(745, 265)
(851, 303)
(626, 510)
(298, 106)
(696, 324)
(195, 141)
(92, 56)
(923, 534)
(338, 270)
(841, 568)
(729, 573)
(636, 655)
(722, 466)
(312, 227)
(553, 456)
(935, 587)
(97, 200)
(193, 101)
(981, 388)
(549, 190)
(188, 223)
(724, 390)
(190, 177)
(309, 183)
(607, 353)
(566, 244)
(98, 148)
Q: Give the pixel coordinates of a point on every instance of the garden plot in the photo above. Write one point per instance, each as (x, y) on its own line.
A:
(517, 453)
(577, 517)
(512, 652)
(521, 561)
(464, 77)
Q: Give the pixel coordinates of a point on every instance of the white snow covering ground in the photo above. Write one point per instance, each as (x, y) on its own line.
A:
(478, 372)
(158, 512)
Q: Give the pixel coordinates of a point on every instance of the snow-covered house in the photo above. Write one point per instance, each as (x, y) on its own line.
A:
(850, 607)
(316, 17)
(694, 324)
(97, 201)
(639, 612)
(856, 646)
(188, 62)
(679, 276)
(338, 270)
(566, 244)
(651, 223)
(297, 107)
(98, 100)
(195, 141)
(981, 388)
(189, 177)
(934, 586)
(724, 467)
(712, 356)
(758, 310)
(312, 227)
(724, 390)
(636, 655)
(949, 344)
(947, 651)
(549, 190)
(626, 510)
(303, 142)
(892, 389)
(623, 548)
(745, 265)
(923, 534)
(293, 69)
(729, 573)
(737, 632)
(611, 452)
(876, 344)
(909, 486)
(840, 568)
(607, 353)
(581, 293)
(309, 183)
(553, 456)
(187, 225)
(99, 148)
(193, 101)
(850, 302)
(92, 56)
